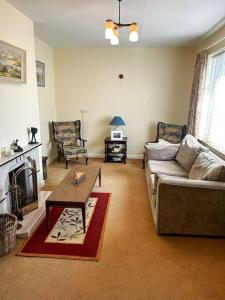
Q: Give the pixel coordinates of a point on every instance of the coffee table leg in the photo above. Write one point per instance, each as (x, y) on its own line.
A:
(84, 218)
(100, 177)
(47, 215)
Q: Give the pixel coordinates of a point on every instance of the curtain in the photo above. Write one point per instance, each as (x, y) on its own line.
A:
(213, 108)
(197, 92)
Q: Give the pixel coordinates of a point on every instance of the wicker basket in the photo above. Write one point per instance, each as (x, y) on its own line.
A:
(8, 225)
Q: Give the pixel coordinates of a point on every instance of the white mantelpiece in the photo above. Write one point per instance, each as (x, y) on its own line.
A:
(9, 163)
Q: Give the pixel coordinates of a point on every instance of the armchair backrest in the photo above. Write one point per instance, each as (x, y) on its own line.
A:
(68, 131)
(171, 132)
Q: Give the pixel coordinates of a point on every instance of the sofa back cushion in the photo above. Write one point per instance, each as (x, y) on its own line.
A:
(206, 167)
(221, 161)
(161, 151)
(188, 151)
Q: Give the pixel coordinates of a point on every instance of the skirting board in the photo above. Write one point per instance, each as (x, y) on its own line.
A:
(131, 156)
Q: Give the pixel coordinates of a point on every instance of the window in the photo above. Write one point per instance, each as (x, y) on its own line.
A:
(212, 119)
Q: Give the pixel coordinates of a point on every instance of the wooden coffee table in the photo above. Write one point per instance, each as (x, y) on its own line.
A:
(71, 195)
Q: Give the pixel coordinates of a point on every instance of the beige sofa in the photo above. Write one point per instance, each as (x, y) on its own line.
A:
(186, 186)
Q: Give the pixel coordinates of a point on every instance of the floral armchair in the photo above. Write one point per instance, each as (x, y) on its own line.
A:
(171, 133)
(66, 135)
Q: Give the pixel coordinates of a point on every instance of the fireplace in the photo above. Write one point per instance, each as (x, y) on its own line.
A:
(23, 189)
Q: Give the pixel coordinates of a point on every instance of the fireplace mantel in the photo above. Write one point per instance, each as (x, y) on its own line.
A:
(4, 160)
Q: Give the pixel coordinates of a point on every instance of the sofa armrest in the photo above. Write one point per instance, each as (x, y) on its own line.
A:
(185, 182)
(192, 207)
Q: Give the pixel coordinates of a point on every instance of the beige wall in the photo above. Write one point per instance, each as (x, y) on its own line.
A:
(46, 98)
(18, 102)
(156, 86)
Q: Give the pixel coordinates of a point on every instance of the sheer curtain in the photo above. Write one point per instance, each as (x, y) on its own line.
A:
(212, 120)
(197, 92)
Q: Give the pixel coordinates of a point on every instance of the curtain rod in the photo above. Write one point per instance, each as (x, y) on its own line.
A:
(212, 45)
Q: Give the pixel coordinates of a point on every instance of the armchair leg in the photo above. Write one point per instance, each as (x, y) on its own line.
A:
(67, 162)
(58, 157)
(86, 160)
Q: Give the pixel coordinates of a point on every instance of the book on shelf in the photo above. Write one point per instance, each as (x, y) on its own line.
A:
(116, 149)
(116, 154)
(79, 177)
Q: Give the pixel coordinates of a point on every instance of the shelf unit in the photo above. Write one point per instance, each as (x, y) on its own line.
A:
(116, 150)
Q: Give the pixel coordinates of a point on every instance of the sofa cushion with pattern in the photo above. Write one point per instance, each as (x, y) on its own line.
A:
(188, 151)
(206, 167)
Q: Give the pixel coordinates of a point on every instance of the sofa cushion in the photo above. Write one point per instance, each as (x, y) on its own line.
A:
(170, 167)
(188, 152)
(222, 161)
(222, 174)
(161, 151)
(206, 167)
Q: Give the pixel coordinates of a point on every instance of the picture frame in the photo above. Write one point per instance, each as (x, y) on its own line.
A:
(116, 135)
(12, 63)
(40, 73)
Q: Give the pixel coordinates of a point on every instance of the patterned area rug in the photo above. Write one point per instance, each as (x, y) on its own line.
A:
(69, 227)
(65, 237)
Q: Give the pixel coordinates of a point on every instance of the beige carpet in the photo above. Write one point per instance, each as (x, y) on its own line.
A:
(135, 262)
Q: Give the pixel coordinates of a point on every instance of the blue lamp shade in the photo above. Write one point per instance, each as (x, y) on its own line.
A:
(117, 121)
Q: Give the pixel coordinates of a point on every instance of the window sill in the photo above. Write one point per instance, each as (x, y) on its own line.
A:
(214, 150)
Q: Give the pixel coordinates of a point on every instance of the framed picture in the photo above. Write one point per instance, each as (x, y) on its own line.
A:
(116, 135)
(12, 64)
(40, 71)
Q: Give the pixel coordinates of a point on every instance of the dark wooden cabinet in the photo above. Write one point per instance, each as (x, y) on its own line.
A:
(116, 151)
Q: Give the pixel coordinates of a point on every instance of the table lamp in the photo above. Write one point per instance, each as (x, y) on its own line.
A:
(117, 134)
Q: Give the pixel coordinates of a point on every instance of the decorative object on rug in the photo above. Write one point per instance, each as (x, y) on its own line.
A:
(69, 240)
(8, 225)
(117, 134)
(79, 177)
(112, 30)
(40, 72)
(66, 135)
(33, 138)
(12, 63)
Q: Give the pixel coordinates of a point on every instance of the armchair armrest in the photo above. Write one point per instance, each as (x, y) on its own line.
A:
(59, 141)
(83, 141)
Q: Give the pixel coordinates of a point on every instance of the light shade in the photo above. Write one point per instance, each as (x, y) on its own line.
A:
(109, 26)
(133, 37)
(117, 121)
(115, 38)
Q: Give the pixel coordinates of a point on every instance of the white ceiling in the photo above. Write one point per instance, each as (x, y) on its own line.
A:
(79, 23)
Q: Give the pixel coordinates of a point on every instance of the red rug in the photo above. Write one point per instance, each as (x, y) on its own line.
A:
(89, 250)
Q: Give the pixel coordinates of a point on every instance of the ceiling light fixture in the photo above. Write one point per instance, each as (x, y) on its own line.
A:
(112, 30)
